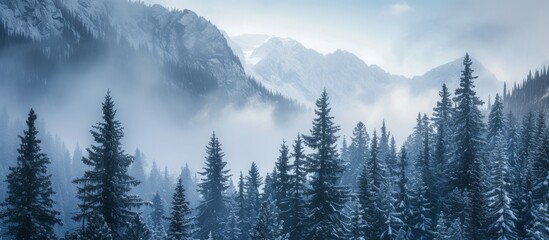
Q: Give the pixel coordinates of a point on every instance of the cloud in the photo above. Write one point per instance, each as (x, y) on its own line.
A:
(397, 9)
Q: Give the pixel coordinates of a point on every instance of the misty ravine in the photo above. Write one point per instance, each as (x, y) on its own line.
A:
(123, 119)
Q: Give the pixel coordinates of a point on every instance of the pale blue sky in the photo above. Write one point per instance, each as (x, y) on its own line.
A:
(403, 37)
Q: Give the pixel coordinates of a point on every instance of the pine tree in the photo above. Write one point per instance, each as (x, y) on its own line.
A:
(539, 228)
(442, 115)
(356, 231)
(213, 209)
(540, 162)
(326, 198)
(231, 229)
(500, 214)
(523, 186)
(283, 186)
(469, 142)
(455, 231)
(370, 184)
(253, 201)
(158, 212)
(138, 230)
(422, 221)
(441, 229)
(383, 142)
(296, 201)
(358, 154)
(180, 226)
(268, 225)
(242, 210)
(96, 229)
(105, 188)
(137, 170)
(403, 205)
(28, 208)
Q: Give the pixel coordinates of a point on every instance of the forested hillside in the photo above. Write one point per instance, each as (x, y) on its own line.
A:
(459, 175)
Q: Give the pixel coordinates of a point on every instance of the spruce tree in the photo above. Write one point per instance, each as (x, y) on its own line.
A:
(158, 212)
(326, 197)
(138, 230)
(180, 226)
(242, 210)
(268, 225)
(96, 229)
(358, 154)
(469, 142)
(296, 201)
(523, 186)
(213, 209)
(403, 198)
(105, 188)
(253, 200)
(540, 161)
(500, 217)
(370, 186)
(283, 186)
(442, 115)
(28, 208)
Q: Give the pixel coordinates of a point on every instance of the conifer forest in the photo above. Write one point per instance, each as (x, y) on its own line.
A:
(274, 120)
(466, 172)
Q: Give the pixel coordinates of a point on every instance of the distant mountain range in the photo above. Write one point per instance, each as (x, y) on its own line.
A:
(288, 67)
(49, 48)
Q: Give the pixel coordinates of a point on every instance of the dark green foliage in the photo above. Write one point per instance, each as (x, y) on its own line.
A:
(104, 189)
(252, 184)
(297, 206)
(268, 225)
(28, 208)
(212, 210)
(326, 197)
(180, 226)
(283, 187)
(469, 142)
(138, 230)
(358, 154)
(158, 211)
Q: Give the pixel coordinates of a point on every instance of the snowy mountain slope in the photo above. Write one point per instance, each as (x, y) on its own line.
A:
(286, 66)
(188, 53)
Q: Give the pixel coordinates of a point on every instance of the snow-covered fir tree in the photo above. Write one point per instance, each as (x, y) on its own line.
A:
(138, 230)
(469, 142)
(296, 201)
(28, 210)
(326, 197)
(105, 188)
(268, 225)
(283, 186)
(358, 154)
(212, 210)
(253, 198)
(180, 224)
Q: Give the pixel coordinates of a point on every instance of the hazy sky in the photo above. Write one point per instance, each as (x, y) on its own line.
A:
(403, 37)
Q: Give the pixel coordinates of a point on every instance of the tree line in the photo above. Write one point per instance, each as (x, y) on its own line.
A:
(464, 173)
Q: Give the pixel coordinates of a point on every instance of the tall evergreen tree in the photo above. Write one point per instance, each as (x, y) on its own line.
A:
(158, 211)
(28, 208)
(540, 161)
(283, 186)
(523, 186)
(442, 116)
(358, 154)
(296, 201)
(213, 209)
(326, 198)
(370, 186)
(403, 204)
(180, 226)
(500, 217)
(253, 200)
(105, 188)
(137, 170)
(242, 210)
(268, 225)
(469, 142)
(96, 229)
